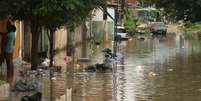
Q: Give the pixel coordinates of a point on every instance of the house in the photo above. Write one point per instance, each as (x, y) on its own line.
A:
(63, 41)
(132, 3)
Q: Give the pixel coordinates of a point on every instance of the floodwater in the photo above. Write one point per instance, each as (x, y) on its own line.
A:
(160, 69)
(156, 69)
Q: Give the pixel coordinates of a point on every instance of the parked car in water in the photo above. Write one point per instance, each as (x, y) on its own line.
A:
(158, 28)
(121, 32)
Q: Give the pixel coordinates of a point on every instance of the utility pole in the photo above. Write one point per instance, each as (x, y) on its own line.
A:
(122, 10)
(105, 31)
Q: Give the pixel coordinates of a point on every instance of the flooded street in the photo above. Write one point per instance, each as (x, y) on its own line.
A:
(156, 69)
(100, 50)
(160, 70)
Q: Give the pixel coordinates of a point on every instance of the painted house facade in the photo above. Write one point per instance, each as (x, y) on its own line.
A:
(22, 47)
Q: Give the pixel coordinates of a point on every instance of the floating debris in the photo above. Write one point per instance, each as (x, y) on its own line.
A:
(77, 66)
(98, 68)
(199, 90)
(183, 47)
(84, 60)
(53, 78)
(170, 70)
(127, 65)
(140, 38)
(35, 73)
(152, 74)
(130, 39)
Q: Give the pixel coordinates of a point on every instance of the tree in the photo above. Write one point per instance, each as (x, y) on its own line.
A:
(130, 21)
(49, 13)
(188, 10)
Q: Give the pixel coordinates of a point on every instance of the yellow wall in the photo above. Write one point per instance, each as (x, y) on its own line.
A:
(60, 38)
(17, 40)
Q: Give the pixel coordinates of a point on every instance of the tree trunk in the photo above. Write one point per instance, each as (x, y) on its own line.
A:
(69, 43)
(84, 40)
(51, 46)
(35, 39)
(105, 35)
(27, 41)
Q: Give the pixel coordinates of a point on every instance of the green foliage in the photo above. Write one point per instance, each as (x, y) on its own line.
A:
(130, 21)
(188, 10)
(51, 13)
(193, 26)
(192, 30)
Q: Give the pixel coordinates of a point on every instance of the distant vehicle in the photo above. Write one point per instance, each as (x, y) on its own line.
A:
(158, 28)
(121, 31)
(142, 28)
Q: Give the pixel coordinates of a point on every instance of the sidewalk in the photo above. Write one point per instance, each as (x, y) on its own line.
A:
(45, 85)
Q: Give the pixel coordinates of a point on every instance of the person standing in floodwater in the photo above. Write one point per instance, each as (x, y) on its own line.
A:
(8, 51)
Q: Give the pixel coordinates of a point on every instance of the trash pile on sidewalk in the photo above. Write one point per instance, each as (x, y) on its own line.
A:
(24, 84)
(29, 80)
(107, 65)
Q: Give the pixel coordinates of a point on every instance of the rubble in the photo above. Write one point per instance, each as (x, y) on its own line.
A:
(35, 97)
(26, 84)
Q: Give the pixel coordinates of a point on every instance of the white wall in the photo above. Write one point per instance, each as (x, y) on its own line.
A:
(98, 14)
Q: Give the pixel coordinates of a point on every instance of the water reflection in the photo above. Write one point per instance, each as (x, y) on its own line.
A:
(160, 70)
(91, 87)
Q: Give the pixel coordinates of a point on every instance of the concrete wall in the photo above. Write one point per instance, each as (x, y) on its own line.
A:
(99, 14)
(61, 38)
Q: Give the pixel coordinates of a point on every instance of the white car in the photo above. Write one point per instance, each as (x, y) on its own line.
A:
(121, 31)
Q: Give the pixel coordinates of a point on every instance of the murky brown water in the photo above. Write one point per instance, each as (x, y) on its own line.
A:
(157, 69)
(160, 70)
